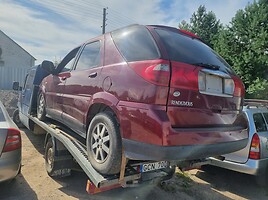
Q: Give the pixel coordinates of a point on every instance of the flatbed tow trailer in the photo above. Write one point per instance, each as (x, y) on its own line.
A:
(66, 148)
(62, 163)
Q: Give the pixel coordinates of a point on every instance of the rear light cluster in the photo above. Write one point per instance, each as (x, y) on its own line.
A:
(219, 84)
(13, 140)
(254, 152)
(156, 72)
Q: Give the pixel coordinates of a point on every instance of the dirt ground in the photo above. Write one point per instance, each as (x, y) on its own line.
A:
(34, 183)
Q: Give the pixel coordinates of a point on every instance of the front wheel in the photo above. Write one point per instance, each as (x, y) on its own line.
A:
(104, 144)
(41, 107)
(16, 118)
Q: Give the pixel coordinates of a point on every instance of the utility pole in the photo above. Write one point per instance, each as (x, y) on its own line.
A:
(104, 20)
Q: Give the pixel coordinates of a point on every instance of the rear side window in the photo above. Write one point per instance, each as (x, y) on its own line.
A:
(90, 56)
(259, 122)
(188, 50)
(135, 43)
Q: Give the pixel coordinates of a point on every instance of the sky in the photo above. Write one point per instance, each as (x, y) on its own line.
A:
(49, 29)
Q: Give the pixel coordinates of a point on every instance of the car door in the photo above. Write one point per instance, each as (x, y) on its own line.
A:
(25, 97)
(54, 85)
(82, 83)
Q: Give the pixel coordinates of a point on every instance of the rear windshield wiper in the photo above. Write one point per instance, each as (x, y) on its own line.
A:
(206, 65)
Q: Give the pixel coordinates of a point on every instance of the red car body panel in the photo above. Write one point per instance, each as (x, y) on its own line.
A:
(170, 112)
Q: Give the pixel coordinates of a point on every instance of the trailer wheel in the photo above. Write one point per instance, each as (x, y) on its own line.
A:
(104, 144)
(16, 118)
(51, 163)
(41, 107)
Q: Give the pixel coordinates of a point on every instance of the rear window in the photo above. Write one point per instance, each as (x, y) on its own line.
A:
(266, 117)
(135, 43)
(189, 50)
(259, 122)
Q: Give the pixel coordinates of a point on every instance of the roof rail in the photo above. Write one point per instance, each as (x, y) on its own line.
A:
(255, 102)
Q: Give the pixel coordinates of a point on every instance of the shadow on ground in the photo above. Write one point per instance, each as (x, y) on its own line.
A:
(17, 189)
(240, 184)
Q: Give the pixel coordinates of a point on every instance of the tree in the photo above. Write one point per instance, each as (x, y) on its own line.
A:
(244, 44)
(204, 24)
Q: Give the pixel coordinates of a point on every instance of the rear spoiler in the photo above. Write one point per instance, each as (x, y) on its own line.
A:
(256, 103)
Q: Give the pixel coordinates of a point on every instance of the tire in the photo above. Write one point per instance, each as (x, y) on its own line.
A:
(41, 107)
(104, 144)
(16, 118)
(50, 162)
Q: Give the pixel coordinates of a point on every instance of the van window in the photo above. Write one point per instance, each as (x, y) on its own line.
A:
(182, 48)
(135, 43)
(259, 122)
(90, 56)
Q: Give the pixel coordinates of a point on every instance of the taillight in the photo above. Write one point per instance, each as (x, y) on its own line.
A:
(239, 87)
(156, 72)
(254, 152)
(13, 140)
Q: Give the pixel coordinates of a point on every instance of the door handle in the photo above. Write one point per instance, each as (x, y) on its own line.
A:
(63, 78)
(93, 75)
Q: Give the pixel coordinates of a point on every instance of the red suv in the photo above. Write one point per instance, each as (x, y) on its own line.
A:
(152, 92)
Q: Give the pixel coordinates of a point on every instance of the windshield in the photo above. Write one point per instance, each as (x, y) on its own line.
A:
(190, 50)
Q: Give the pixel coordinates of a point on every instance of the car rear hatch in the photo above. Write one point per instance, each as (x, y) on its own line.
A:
(3, 136)
(204, 91)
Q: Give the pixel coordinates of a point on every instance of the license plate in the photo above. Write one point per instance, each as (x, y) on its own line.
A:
(154, 166)
(214, 84)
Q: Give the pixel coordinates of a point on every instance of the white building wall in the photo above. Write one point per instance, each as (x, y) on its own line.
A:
(14, 62)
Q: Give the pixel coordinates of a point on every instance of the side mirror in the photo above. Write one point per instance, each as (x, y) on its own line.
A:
(16, 86)
(48, 66)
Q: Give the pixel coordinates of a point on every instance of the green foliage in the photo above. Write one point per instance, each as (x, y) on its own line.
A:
(204, 24)
(244, 44)
(258, 89)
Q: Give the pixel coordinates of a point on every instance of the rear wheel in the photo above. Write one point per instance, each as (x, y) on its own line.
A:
(41, 107)
(104, 144)
(51, 163)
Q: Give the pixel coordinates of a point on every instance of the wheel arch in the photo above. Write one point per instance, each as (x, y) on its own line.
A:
(102, 102)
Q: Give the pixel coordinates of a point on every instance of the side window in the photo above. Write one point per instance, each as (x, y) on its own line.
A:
(67, 62)
(135, 43)
(259, 122)
(2, 117)
(90, 56)
(68, 66)
(25, 80)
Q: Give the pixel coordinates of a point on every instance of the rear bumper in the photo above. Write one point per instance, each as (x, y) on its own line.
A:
(142, 151)
(150, 124)
(148, 135)
(10, 163)
(252, 167)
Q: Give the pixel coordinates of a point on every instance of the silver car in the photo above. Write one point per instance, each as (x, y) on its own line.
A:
(253, 159)
(10, 146)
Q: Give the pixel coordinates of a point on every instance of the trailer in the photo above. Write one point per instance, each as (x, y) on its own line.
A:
(62, 150)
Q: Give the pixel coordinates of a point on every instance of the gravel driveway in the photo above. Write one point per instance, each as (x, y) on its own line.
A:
(34, 183)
